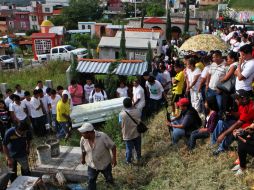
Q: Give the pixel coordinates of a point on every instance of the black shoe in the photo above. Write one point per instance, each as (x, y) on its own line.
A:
(217, 152)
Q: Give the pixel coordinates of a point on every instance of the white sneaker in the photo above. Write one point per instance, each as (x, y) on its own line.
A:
(239, 172)
(237, 167)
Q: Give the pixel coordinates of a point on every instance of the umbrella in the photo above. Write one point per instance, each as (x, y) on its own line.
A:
(204, 42)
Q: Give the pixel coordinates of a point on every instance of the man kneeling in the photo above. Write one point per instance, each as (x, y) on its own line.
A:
(186, 122)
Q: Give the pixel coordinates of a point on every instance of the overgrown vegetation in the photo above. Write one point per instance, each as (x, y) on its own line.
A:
(28, 78)
(241, 4)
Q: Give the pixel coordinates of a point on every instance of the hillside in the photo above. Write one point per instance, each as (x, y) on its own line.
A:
(242, 4)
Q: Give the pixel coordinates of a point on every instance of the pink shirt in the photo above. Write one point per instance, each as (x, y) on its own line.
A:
(76, 94)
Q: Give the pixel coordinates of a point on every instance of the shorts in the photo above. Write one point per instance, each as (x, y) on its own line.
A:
(176, 97)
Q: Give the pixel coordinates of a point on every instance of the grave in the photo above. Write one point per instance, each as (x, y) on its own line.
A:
(23, 183)
(68, 162)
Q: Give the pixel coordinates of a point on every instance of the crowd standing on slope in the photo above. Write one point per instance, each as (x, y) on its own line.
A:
(210, 95)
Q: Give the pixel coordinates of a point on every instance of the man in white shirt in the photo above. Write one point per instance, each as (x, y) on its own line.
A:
(138, 96)
(245, 70)
(27, 103)
(88, 88)
(244, 40)
(18, 111)
(53, 100)
(216, 72)
(41, 86)
(97, 94)
(155, 92)
(19, 91)
(38, 118)
(8, 100)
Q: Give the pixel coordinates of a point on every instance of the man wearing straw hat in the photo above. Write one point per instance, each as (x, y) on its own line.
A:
(96, 153)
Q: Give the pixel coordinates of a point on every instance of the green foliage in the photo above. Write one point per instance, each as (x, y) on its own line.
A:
(187, 17)
(89, 53)
(111, 80)
(155, 9)
(27, 78)
(31, 31)
(81, 10)
(149, 56)
(113, 130)
(241, 4)
(122, 44)
(168, 26)
(83, 40)
(73, 141)
(131, 79)
(58, 20)
(74, 63)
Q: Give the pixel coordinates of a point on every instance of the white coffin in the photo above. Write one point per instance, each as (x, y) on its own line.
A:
(96, 112)
(23, 183)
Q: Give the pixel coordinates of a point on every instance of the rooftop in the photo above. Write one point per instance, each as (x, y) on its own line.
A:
(142, 35)
(131, 43)
(144, 30)
(43, 35)
(154, 20)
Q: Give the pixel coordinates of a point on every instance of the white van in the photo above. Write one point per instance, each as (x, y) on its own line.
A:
(63, 53)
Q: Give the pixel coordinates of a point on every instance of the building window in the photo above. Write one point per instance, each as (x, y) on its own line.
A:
(34, 18)
(11, 24)
(89, 27)
(22, 24)
(35, 27)
(83, 27)
(42, 46)
(22, 16)
(47, 9)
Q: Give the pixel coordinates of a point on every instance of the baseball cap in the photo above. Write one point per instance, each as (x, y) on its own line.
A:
(183, 102)
(86, 127)
(241, 94)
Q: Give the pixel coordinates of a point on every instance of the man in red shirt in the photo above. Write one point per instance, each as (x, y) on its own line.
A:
(223, 133)
(76, 92)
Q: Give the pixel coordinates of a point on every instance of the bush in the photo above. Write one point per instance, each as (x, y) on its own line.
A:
(113, 130)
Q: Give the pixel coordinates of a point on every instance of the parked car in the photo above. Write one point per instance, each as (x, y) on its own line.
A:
(7, 62)
(63, 53)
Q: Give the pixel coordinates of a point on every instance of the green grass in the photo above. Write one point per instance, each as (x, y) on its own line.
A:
(242, 4)
(28, 78)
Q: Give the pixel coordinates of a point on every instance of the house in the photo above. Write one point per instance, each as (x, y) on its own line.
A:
(136, 44)
(115, 5)
(21, 21)
(50, 36)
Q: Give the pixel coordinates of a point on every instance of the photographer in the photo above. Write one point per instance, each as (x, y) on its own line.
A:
(245, 146)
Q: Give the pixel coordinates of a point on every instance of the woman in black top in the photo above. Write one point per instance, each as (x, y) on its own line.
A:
(4, 118)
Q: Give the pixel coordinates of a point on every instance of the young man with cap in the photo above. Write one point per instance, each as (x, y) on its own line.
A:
(16, 147)
(96, 147)
(129, 129)
(186, 122)
(223, 133)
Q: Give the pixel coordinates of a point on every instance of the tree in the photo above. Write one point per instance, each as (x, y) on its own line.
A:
(122, 44)
(187, 16)
(168, 25)
(149, 56)
(81, 10)
(155, 9)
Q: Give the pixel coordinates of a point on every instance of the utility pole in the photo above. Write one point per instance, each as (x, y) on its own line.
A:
(135, 8)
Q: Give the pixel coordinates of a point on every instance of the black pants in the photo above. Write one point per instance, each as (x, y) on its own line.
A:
(243, 150)
(93, 174)
(39, 126)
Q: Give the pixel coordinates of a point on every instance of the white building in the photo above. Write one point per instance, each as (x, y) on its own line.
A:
(58, 2)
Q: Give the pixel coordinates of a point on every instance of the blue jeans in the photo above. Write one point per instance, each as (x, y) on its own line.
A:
(54, 123)
(177, 133)
(197, 135)
(130, 144)
(211, 92)
(93, 174)
(63, 129)
(220, 127)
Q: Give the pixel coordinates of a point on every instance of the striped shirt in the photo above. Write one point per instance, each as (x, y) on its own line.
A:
(217, 72)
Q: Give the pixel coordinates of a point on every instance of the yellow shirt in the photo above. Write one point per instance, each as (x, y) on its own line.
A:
(62, 108)
(200, 65)
(178, 87)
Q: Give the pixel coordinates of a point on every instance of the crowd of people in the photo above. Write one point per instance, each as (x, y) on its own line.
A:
(210, 95)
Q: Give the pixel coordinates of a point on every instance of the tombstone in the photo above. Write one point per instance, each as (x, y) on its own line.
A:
(3, 88)
(49, 83)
